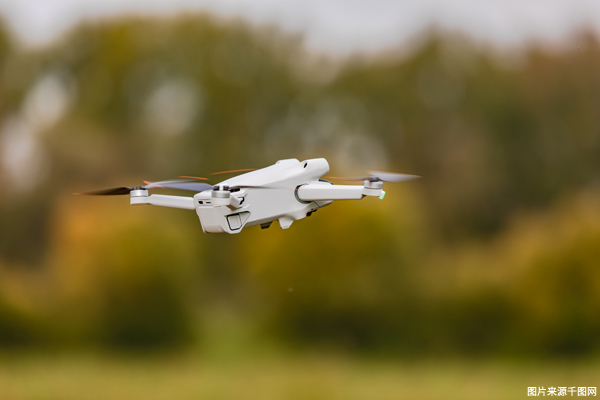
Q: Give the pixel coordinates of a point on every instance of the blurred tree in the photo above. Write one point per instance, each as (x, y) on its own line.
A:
(137, 295)
(116, 102)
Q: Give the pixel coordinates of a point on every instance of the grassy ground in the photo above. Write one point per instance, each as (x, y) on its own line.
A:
(89, 376)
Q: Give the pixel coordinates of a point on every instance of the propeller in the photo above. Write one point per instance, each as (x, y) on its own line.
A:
(194, 177)
(171, 184)
(219, 173)
(108, 192)
(235, 170)
(378, 176)
(237, 187)
(179, 184)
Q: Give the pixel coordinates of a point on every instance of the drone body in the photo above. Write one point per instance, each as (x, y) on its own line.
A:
(286, 191)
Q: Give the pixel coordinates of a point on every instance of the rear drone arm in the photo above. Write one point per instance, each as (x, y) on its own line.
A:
(141, 197)
(321, 192)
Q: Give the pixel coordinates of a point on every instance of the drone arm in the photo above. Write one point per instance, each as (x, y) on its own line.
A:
(320, 192)
(186, 203)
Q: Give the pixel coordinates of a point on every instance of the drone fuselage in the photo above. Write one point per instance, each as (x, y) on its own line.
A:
(272, 196)
(286, 191)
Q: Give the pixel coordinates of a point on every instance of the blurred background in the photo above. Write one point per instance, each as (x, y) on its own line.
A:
(481, 279)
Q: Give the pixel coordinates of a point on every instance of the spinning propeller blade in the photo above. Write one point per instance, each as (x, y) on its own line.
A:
(378, 176)
(232, 171)
(391, 176)
(194, 177)
(252, 187)
(108, 192)
(171, 184)
(345, 179)
(179, 184)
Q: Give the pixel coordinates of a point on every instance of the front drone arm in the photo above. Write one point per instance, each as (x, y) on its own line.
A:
(141, 197)
(322, 192)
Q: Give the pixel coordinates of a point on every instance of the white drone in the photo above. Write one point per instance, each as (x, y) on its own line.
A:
(287, 191)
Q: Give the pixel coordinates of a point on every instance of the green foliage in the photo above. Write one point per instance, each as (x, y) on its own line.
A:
(16, 329)
(561, 288)
(135, 296)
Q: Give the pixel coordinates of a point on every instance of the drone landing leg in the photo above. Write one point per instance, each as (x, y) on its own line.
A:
(266, 225)
(285, 222)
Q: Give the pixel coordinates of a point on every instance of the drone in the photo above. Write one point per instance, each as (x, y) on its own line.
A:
(286, 191)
